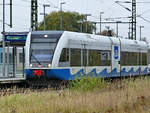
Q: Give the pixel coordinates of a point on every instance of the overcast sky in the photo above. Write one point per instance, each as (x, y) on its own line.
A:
(21, 13)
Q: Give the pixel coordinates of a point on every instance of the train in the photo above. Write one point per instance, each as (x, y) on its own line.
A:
(66, 55)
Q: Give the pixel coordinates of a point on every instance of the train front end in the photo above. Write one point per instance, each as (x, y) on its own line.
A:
(40, 48)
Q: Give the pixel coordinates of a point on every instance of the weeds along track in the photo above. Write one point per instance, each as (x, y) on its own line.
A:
(86, 84)
(25, 88)
(14, 90)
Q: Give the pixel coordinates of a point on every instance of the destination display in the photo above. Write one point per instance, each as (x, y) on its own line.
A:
(15, 38)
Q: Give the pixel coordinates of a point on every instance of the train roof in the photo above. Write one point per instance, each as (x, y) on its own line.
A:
(86, 37)
(91, 39)
(47, 32)
(126, 44)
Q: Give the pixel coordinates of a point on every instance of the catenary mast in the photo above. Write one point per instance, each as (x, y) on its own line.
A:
(133, 20)
(34, 14)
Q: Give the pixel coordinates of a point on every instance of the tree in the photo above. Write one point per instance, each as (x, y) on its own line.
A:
(106, 33)
(72, 21)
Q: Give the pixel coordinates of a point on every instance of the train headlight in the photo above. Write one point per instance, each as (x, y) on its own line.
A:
(31, 65)
(49, 65)
(45, 36)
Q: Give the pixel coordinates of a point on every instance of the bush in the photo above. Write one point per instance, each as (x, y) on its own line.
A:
(87, 83)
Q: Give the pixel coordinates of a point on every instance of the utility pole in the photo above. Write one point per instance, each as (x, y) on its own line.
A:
(141, 32)
(133, 37)
(4, 38)
(3, 33)
(95, 28)
(34, 14)
(129, 33)
(133, 27)
(80, 22)
(61, 23)
(10, 13)
(86, 27)
(44, 6)
(117, 22)
(101, 21)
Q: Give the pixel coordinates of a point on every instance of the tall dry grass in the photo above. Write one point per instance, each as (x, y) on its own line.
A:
(127, 96)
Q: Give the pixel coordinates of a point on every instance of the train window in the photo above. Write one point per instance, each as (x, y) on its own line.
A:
(94, 58)
(64, 58)
(5, 58)
(75, 57)
(129, 58)
(43, 46)
(124, 58)
(41, 37)
(144, 58)
(105, 58)
(10, 58)
(21, 58)
(45, 40)
(42, 52)
(133, 59)
(99, 58)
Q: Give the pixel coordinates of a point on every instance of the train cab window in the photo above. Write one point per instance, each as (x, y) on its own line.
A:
(144, 58)
(64, 58)
(75, 57)
(42, 47)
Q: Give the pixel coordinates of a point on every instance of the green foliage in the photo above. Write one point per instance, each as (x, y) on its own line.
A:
(88, 83)
(105, 33)
(71, 22)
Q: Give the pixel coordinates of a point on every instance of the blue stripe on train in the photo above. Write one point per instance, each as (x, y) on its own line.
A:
(65, 74)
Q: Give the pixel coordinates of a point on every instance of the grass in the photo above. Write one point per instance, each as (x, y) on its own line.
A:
(127, 96)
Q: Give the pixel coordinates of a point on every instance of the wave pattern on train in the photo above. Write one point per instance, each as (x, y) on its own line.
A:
(67, 55)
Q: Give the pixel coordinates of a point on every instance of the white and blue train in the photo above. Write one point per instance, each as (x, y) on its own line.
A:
(67, 55)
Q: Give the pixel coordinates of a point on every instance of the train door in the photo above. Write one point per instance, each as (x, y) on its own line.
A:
(9, 61)
(18, 62)
(115, 61)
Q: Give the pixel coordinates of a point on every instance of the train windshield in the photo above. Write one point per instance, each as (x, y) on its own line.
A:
(43, 47)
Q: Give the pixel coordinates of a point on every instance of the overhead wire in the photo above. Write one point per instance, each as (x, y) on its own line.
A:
(5, 23)
(144, 19)
(136, 14)
(110, 7)
(145, 12)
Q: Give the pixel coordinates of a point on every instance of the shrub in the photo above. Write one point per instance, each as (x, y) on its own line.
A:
(87, 83)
